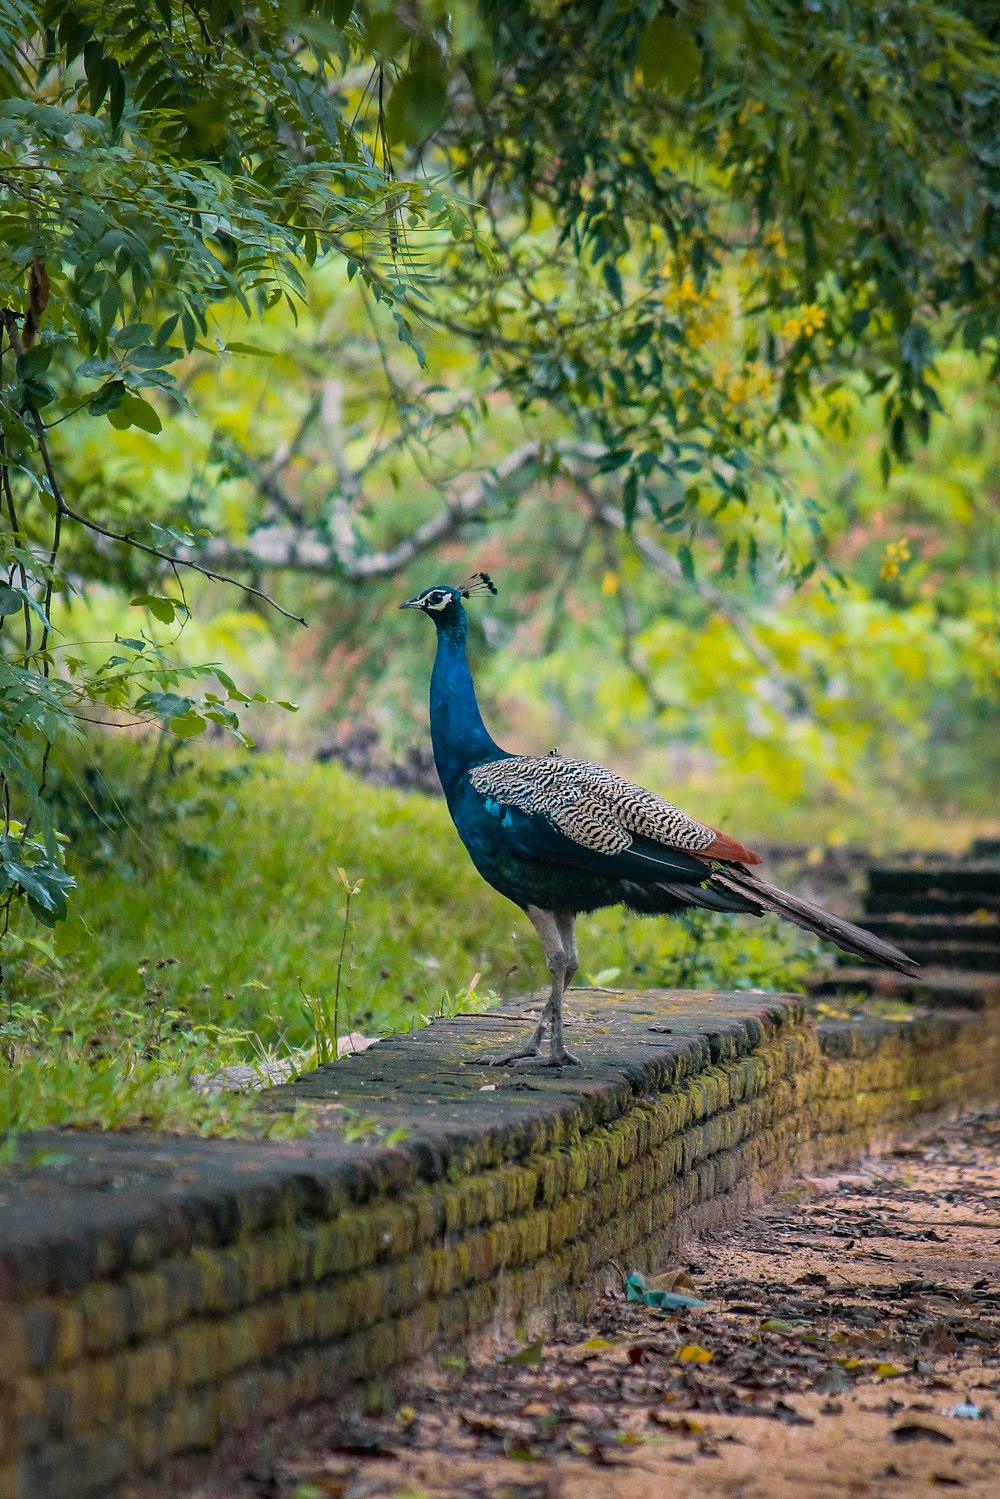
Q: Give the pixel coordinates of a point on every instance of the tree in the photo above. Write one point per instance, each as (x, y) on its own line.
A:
(692, 221)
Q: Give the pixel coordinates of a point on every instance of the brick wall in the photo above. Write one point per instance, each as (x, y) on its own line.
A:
(156, 1295)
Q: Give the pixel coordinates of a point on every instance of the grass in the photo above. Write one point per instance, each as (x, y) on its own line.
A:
(275, 911)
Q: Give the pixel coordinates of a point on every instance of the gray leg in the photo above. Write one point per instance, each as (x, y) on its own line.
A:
(565, 924)
(561, 964)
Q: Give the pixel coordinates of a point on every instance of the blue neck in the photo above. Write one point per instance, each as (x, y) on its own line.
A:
(458, 734)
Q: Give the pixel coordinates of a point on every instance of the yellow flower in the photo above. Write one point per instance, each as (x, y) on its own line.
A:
(896, 553)
(808, 322)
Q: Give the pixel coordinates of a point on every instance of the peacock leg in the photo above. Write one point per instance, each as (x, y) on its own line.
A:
(561, 962)
(558, 1055)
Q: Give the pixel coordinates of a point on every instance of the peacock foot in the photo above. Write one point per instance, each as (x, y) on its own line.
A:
(528, 1053)
(561, 1058)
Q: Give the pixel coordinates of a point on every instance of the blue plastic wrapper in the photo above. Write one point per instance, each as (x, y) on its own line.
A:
(637, 1288)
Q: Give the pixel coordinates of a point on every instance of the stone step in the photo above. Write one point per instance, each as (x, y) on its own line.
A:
(964, 956)
(938, 989)
(966, 879)
(943, 903)
(901, 927)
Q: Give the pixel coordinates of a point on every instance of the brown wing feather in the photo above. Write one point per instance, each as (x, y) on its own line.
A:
(730, 850)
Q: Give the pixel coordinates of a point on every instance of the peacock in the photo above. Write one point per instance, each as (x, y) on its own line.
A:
(560, 836)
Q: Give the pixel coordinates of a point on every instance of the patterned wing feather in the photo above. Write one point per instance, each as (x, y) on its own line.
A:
(596, 808)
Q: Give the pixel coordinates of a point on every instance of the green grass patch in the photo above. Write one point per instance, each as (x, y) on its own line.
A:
(272, 911)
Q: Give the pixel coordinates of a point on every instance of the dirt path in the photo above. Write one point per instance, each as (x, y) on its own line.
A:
(850, 1347)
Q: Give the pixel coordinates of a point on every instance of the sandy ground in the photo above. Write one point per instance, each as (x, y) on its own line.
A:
(850, 1347)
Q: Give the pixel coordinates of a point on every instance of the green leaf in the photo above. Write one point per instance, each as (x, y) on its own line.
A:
(730, 558)
(107, 398)
(133, 411)
(630, 492)
(116, 91)
(241, 348)
(33, 362)
(46, 884)
(37, 393)
(188, 725)
(132, 336)
(686, 560)
(164, 704)
(417, 106)
(161, 608)
(385, 34)
(10, 600)
(669, 55)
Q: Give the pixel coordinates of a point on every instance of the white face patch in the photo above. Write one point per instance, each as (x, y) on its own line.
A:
(436, 600)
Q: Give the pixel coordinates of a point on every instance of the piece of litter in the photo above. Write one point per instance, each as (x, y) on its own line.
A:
(488, 1088)
(637, 1288)
(966, 1411)
(353, 1042)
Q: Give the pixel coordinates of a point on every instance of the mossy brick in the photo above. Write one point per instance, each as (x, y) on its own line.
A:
(147, 1372)
(194, 1423)
(109, 1315)
(72, 1468)
(264, 1264)
(30, 1337)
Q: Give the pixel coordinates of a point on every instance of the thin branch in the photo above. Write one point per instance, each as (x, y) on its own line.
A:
(15, 525)
(128, 538)
(284, 547)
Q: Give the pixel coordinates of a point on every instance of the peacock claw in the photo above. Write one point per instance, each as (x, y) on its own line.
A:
(560, 1059)
(513, 1057)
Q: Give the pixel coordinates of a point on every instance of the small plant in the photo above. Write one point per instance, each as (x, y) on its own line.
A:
(324, 1028)
(365, 1131)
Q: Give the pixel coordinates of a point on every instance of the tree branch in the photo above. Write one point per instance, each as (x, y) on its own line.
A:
(287, 547)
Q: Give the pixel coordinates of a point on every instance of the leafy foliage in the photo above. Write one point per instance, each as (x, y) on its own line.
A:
(696, 229)
(155, 162)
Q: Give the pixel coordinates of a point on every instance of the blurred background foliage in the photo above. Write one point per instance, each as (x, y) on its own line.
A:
(680, 319)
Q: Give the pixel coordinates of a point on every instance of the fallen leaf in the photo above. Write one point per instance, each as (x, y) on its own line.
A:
(916, 1431)
(518, 1453)
(790, 1416)
(672, 1422)
(692, 1354)
(531, 1353)
(888, 1371)
(536, 1408)
(494, 1426)
(670, 1280)
(582, 1353)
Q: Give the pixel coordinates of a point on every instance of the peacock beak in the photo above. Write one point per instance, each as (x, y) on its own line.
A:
(412, 604)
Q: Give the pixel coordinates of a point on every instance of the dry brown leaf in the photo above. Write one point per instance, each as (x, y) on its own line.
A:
(671, 1280)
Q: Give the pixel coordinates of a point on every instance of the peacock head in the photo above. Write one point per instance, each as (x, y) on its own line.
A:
(444, 603)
